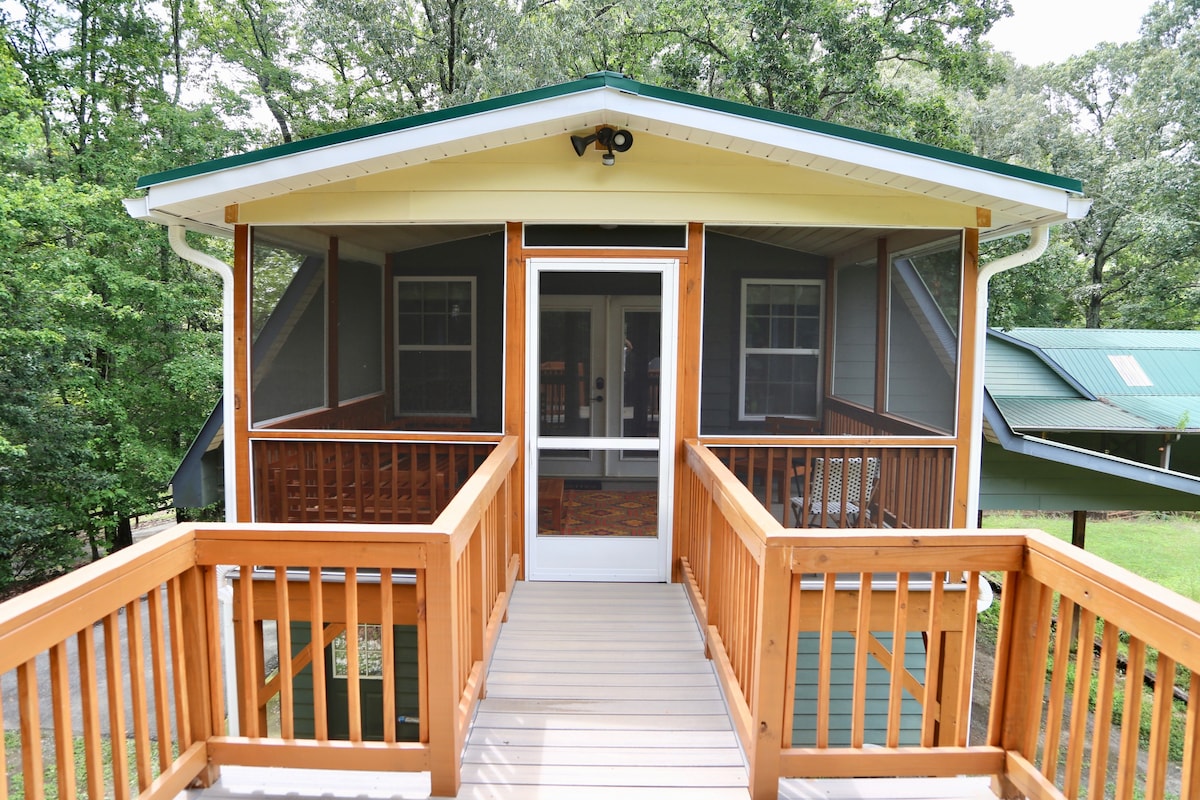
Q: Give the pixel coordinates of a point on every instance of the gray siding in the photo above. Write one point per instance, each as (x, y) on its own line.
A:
(855, 317)
(920, 387)
(727, 260)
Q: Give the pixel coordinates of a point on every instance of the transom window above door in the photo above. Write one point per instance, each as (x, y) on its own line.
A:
(780, 355)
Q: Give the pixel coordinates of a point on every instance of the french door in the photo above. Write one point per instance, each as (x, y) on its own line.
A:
(600, 355)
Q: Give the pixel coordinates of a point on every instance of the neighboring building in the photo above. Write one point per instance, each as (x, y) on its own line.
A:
(1092, 420)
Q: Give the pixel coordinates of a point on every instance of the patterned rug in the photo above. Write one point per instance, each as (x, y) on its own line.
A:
(587, 512)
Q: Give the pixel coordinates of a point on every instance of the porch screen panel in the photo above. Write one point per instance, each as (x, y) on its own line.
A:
(289, 314)
(854, 329)
(360, 330)
(923, 315)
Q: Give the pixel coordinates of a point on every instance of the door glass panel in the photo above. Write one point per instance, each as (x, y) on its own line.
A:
(565, 373)
(641, 374)
(578, 507)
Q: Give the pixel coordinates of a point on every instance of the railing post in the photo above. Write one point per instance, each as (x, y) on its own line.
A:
(200, 641)
(771, 658)
(1024, 637)
(441, 614)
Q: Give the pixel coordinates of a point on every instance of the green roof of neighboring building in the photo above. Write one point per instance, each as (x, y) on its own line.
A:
(617, 81)
(1089, 379)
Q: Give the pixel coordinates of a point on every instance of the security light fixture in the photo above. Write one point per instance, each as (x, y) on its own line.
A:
(609, 138)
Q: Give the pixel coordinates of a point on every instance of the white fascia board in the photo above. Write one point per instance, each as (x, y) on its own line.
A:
(345, 159)
(570, 113)
(850, 152)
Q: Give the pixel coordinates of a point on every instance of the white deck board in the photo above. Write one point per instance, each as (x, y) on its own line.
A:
(596, 691)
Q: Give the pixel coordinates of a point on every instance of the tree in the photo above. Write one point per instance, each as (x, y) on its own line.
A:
(110, 344)
(1120, 119)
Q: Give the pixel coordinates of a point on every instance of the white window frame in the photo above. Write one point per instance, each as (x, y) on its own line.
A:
(473, 347)
(744, 351)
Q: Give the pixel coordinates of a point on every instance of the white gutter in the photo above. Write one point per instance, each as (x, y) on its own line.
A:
(1039, 239)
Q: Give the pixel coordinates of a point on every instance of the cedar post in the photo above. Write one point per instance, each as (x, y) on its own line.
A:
(1025, 670)
(771, 657)
(441, 598)
(202, 664)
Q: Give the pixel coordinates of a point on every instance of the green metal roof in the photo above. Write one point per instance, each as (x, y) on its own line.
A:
(601, 80)
(1078, 414)
(1150, 375)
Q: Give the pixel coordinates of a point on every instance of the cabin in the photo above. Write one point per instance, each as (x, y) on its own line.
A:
(512, 386)
(1090, 420)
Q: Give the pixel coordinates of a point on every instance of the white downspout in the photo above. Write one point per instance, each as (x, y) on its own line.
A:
(1039, 239)
(177, 236)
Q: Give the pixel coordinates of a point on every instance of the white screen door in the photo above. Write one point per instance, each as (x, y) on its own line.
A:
(600, 371)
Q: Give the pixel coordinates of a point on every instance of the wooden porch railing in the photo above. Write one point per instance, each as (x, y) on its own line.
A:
(164, 591)
(757, 587)
(847, 486)
(390, 481)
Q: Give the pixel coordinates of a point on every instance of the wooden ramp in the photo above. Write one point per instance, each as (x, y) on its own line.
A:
(603, 691)
(596, 691)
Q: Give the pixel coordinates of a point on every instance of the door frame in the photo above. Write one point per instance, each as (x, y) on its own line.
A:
(643, 559)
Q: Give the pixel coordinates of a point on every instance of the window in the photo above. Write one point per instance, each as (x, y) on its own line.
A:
(370, 653)
(780, 348)
(435, 346)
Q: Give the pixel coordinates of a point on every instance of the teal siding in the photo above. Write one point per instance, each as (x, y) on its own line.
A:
(404, 653)
(804, 724)
(1013, 371)
(302, 685)
(1012, 481)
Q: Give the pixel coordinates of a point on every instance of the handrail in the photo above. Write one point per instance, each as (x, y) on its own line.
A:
(806, 591)
(156, 605)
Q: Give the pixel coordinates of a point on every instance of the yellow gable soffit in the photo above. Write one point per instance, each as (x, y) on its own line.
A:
(658, 179)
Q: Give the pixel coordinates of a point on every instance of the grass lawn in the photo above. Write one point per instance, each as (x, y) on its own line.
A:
(1162, 548)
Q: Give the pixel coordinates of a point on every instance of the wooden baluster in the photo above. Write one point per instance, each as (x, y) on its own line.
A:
(64, 742)
(1160, 726)
(967, 656)
(387, 644)
(137, 691)
(316, 616)
(899, 646)
(116, 705)
(862, 634)
(1077, 735)
(283, 638)
(179, 669)
(246, 657)
(1056, 705)
(1098, 771)
(825, 658)
(158, 660)
(1191, 744)
(354, 701)
(31, 730)
(930, 701)
(1131, 718)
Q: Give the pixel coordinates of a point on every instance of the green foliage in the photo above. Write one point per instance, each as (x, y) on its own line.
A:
(109, 344)
(1123, 120)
